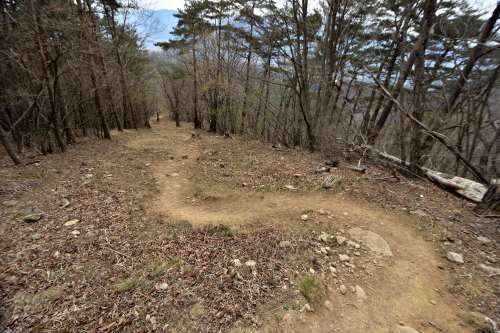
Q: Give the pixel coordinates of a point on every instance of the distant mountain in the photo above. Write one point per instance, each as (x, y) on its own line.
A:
(159, 25)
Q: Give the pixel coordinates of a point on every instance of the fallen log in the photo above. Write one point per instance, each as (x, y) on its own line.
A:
(464, 187)
(490, 201)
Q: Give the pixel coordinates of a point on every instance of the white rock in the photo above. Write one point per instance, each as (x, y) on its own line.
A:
(304, 217)
(322, 212)
(404, 329)
(353, 244)
(333, 270)
(455, 257)
(64, 203)
(312, 271)
(340, 240)
(489, 269)
(343, 289)
(324, 237)
(483, 240)
(372, 240)
(71, 222)
(328, 305)
(290, 187)
(75, 233)
(250, 263)
(175, 174)
(162, 286)
(237, 262)
(307, 308)
(360, 293)
(9, 203)
(324, 249)
(343, 257)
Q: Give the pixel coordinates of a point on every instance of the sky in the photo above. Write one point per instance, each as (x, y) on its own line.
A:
(174, 4)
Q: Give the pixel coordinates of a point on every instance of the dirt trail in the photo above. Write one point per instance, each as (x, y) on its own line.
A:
(409, 289)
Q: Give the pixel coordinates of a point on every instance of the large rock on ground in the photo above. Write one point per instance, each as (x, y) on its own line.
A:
(372, 240)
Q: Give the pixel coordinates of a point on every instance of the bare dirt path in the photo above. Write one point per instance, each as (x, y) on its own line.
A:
(408, 288)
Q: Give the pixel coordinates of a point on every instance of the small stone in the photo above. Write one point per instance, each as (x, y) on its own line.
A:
(353, 244)
(12, 279)
(343, 257)
(237, 262)
(343, 289)
(312, 271)
(419, 213)
(455, 257)
(490, 270)
(322, 212)
(340, 240)
(284, 244)
(404, 329)
(36, 236)
(175, 174)
(9, 203)
(89, 175)
(433, 302)
(307, 308)
(162, 286)
(64, 203)
(324, 249)
(324, 237)
(333, 270)
(491, 259)
(483, 240)
(75, 233)
(328, 305)
(290, 187)
(250, 263)
(244, 184)
(31, 218)
(360, 293)
(304, 217)
(71, 222)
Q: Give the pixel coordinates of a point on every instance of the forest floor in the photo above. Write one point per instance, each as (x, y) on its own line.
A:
(162, 230)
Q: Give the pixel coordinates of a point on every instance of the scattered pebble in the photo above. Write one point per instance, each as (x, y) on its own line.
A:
(250, 263)
(483, 240)
(360, 293)
(9, 203)
(455, 257)
(33, 218)
(71, 222)
(490, 269)
(404, 329)
(304, 217)
(328, 305)
(343, 257)
(343, 289)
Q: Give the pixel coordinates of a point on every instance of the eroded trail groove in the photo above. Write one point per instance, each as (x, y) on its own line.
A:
(178, 232)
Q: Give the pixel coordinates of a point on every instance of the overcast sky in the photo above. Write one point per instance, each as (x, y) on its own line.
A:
(174, 4)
